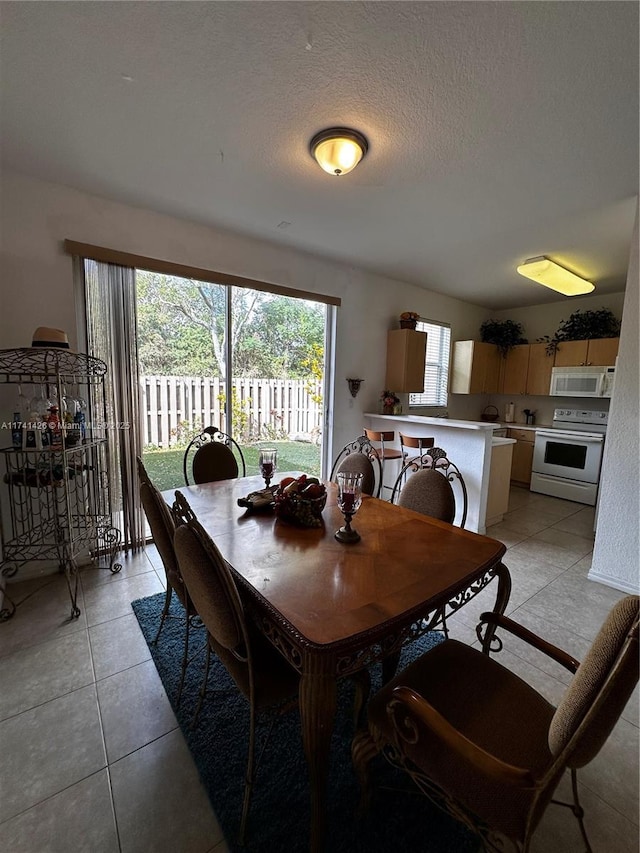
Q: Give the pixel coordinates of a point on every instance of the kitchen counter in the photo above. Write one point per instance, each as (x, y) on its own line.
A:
(468, 444)
(423, 420)
(532, 427)
(459, 424)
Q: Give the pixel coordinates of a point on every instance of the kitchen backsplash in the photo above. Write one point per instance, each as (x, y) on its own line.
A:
(542, 406)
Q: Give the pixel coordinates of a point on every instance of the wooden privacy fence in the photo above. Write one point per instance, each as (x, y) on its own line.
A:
(176, 407)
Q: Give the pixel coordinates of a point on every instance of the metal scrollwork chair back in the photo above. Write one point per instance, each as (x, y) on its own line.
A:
(260, 672)
(453, 720)
(360, 456)
(213, 455)
(420, 486)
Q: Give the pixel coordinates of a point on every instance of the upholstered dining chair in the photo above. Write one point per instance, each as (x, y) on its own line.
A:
(487, 747)
(429, 491)
(162, 530)
(213, 455)
(430, 488)
(360, 457)
(260, 672)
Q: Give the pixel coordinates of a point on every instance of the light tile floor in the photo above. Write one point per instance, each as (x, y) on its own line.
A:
(92, 759)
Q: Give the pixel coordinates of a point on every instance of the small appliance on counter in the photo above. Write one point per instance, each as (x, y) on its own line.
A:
(530, 416)
(567, 457)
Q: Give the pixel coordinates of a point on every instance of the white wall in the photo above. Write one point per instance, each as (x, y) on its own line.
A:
(541, 320)
(616, 554)
(37, 288)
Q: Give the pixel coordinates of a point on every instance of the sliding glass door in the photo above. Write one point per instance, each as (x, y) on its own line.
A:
(189, 332)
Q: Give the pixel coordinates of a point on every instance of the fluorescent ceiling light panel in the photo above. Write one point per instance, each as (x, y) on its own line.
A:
(550, 274)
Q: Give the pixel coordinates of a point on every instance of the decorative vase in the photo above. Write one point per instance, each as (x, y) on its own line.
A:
(387, 410)
(408, 324)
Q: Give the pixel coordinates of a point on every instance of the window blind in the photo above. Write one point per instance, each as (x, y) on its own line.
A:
(436, 374)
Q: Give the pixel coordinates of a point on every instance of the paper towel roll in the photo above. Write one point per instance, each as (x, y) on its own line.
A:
(510, 413)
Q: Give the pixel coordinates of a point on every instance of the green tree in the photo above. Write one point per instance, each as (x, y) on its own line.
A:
(181, 325)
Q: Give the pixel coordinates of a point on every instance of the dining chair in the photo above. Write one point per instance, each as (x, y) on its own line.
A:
(430, 488)
(429, 491)
(260, 672)
(212, 455)
(162, 529)
(360, 457)
(384, 452)
(483, 744)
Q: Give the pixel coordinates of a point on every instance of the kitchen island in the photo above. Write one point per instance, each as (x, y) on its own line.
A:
(469, 445)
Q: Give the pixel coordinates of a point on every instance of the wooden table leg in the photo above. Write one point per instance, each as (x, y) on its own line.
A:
(318, 690)
(502, 599)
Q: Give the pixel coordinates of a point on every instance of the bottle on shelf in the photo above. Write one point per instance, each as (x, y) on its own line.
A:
(54, 428)
(19, 412)
(80, 417)
(16, 429)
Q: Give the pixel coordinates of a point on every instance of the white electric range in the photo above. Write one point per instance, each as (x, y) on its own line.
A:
(567, 457)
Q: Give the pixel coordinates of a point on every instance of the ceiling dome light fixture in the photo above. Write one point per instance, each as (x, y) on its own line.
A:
(338, 150)
(550, 274)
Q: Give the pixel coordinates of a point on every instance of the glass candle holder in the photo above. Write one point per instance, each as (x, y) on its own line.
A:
(349, 500)
(268, 462)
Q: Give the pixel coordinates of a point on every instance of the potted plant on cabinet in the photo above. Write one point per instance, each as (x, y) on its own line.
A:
(505, 334)
(409, 320)
(584, 326)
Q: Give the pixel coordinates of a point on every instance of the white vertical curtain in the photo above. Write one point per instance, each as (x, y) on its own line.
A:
(107, 305)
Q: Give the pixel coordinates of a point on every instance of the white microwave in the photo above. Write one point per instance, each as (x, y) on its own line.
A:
(582, 381)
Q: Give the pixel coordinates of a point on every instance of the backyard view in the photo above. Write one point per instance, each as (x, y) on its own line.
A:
(277, 363)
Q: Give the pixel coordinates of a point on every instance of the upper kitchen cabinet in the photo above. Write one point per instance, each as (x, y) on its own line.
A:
(527, 370)
(539, 370)
(516, 365)
(406, 352)
(476, 368)
(600, 351)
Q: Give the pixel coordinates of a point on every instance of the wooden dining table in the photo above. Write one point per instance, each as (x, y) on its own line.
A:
(333, 609)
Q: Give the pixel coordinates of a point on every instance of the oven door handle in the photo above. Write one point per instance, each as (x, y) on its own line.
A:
(576, 436)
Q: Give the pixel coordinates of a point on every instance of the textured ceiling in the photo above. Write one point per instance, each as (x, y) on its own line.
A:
(498, 131)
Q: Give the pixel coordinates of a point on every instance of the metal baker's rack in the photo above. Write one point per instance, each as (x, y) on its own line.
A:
(55, 500)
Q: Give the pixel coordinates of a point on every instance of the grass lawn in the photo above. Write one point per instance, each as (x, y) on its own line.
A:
(165, 466)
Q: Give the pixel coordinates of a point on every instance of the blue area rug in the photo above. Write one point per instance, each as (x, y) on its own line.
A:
(400, 817)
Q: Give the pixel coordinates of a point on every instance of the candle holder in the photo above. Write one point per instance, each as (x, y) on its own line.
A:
(349, 500)
(268, 462)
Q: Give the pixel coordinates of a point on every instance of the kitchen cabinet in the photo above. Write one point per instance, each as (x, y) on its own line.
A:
(515, 369)
(601, 351)
(539, 370)
(527, 370)
(499, 480)
(406, 354)
(522, 455)
(479, 368)
(476, 368)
